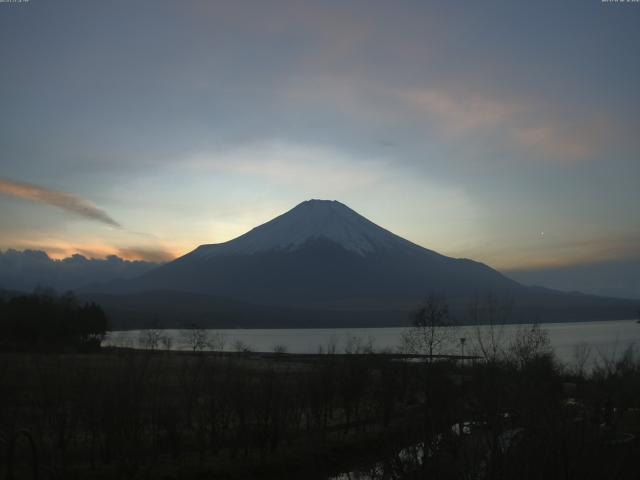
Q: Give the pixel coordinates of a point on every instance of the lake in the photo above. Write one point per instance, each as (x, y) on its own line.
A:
(607, 339)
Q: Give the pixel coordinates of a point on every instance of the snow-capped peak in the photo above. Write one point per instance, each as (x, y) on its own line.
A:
(313, 219)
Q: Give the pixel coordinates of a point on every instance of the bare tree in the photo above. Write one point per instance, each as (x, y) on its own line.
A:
(166, 341)
(432, 328)
(331, 348)
(489, 315)
(149, 339)
(581, 355)
(355, 345)
(240, 346)
(197, 339)
(217, 341)
(280, 348)
(530, 342)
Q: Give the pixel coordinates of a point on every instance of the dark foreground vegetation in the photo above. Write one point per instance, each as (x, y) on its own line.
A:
(70, 410)
(44, 321)
(163, 414)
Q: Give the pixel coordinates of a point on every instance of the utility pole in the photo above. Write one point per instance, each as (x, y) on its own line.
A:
(462, 342)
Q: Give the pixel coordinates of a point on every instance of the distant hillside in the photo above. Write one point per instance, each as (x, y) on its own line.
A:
(611, 278)
(171, 309)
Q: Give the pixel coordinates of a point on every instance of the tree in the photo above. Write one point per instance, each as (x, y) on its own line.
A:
(280, 349)
(432, 328)
(149, 339)
(581, 355)
(530, 342)
(489, 315)
(166, 341)
(92, 325)
(242, 347)
(44, 321)
(197, 339)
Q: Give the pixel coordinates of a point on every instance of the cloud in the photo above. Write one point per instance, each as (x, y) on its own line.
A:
(459, 113)
(25, 270)
(95, 250)
(552, 141)
(63, 200)
(469, 117)
(316, 168)
(556, 252)
(146, 254)
(518, 123)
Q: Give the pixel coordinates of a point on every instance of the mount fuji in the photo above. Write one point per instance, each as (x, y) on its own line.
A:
(323, 264)
(312, 220)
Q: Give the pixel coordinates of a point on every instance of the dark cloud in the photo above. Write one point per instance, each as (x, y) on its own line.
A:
(25, 270)
(63, 200)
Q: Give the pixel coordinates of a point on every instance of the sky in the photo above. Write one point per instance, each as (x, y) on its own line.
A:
(502, 131)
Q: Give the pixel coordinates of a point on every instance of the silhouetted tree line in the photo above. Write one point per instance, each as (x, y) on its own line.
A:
(44, 321)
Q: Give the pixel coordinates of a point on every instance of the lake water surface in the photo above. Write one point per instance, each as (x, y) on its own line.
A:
(607, 339)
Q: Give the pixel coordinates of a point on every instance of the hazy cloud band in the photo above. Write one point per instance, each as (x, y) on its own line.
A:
(63, 200)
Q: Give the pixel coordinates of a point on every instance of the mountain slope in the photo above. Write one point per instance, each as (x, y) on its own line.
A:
(323, 256)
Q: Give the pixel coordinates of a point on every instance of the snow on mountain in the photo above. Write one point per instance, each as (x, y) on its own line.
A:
(323, 257)
(311, 220)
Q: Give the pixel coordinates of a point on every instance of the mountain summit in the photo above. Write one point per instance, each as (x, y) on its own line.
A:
(310, 221)
(321, 254)
(322, 263)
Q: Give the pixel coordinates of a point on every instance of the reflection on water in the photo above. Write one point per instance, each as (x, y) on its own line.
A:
(569, 340)
(409, 461)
